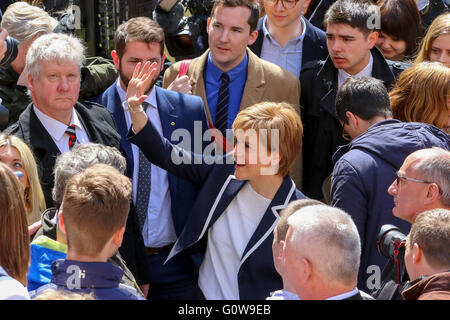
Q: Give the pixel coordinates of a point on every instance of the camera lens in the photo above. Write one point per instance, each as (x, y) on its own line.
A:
(11, 52)
(387, 237)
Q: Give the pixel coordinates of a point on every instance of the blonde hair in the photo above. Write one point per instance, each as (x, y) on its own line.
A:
(24, 21)
(275, 116)
(440, 26)
(14, 238)
(53, 294)
(33, 196)
(420, 94)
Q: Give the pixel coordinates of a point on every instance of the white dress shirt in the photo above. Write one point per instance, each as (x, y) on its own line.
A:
(365, 72)
(57, 129)
(158, 230)
(227, 240)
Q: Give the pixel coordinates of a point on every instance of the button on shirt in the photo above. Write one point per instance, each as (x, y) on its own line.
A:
(158, 230)
(238, 77)
(365, 72)
(57, 129)
(288, 57)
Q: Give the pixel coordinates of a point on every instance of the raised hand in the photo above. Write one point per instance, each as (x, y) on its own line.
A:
(139, 83)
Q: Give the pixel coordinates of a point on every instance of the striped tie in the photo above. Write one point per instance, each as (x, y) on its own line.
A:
(144, 185)
(70, 131)
(222, 104)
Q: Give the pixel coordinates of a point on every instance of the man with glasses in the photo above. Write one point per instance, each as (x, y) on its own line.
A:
(364, 168)
(422, 183)
(286, 38)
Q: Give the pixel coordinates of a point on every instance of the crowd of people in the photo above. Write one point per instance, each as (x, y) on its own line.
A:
(264, 168)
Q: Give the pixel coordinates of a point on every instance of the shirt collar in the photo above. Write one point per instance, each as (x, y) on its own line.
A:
(151, 99)
(234, 73)
(295, 40)
(365, 72)
(344, 295)
(54, 127)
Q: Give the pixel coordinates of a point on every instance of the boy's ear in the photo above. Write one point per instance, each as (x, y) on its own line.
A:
(118, 237)
(61, 221)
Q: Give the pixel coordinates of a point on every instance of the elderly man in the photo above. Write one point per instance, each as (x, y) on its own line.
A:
(422, 183)
(54, 122)
(321, 254)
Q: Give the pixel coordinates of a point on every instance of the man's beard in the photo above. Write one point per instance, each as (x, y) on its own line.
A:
(126, 80)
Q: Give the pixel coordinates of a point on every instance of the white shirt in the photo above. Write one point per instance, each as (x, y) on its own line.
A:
(283, 295)
(365, 72)
(344, 295)
(11, 289)
(227, 240)
(57, 129)
(158, 230)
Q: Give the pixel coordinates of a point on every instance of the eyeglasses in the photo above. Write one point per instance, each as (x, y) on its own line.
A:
(345, 135)
(399, 177)
(287, 4)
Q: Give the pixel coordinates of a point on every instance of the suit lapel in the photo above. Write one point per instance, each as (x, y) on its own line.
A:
(270, 218)
(195, 230)
(115, 106)
(195, 72)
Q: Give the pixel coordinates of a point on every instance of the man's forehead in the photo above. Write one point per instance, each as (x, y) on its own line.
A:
(342, 29)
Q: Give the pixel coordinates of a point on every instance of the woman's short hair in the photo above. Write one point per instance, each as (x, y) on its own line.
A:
(401, 20)
(440, 26)
(420, 94)
(24, 21)
(281, 117)
(33, 196)
(14, 238)
(57, 47)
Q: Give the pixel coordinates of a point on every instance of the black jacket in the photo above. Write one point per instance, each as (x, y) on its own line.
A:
(322, 129)
(100, 128)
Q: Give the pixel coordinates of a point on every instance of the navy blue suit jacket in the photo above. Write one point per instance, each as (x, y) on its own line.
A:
(176, 111)
(314, 43)
(257, 276)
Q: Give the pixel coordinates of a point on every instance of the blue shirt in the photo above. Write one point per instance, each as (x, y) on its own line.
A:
(288, 57)
(238, 78)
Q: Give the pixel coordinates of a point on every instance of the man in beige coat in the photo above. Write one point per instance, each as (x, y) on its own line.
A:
(231, 28)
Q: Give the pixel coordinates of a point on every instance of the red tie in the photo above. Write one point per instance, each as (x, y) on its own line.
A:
(70, 131)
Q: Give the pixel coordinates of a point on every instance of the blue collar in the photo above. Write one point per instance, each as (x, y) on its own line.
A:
(93, 275)
(234, 73)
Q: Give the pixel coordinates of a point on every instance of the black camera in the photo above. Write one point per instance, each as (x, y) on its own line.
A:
(11, 52)
(391, 242)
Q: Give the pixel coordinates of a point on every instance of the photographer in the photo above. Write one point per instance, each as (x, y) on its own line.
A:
(422, 184)
(427, 257)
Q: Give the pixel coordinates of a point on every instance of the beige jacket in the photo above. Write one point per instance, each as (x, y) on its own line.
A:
(265, 82)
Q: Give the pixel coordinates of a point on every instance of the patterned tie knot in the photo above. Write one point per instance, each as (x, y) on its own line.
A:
(145, 105)
(70, 131)
(224, 77)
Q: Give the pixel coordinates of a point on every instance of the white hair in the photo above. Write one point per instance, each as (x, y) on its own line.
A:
(24, 21)
(58, 47)
(434, 166)
(329, 238)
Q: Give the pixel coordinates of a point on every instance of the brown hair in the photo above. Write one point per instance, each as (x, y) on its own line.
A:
(420, 94)
(282, 225)
(252, 5)
(431, 231)
(14, 238)
(138, 29)
(275, 116)
(440, 26)
(95, 205)
(401, 20)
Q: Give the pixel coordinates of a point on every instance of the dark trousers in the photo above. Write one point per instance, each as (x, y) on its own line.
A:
(175, 280)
